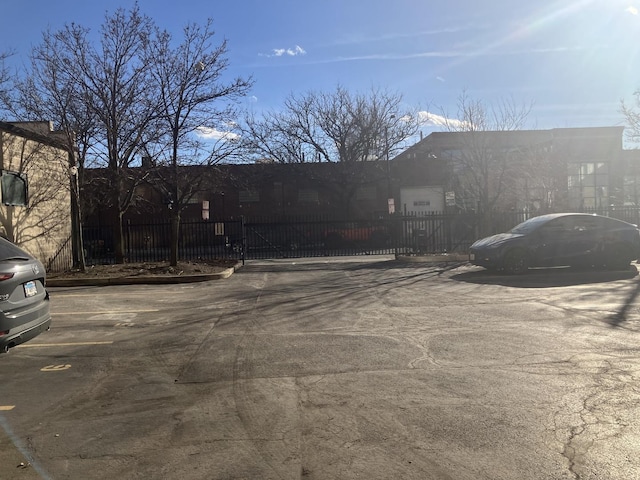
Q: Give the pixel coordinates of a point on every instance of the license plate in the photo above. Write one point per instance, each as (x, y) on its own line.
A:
(30, 289)
(472, 256)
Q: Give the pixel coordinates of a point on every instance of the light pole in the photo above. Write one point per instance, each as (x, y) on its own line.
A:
(77, 246)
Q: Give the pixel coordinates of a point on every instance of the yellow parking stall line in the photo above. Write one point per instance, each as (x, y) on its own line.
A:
(73, 344)
(6, 408)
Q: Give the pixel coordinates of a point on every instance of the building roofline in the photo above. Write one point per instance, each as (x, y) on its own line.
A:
(31, 135)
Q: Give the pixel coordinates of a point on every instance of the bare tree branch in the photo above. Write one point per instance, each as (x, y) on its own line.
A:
(192, 95)
(485, 168)
(632, 115)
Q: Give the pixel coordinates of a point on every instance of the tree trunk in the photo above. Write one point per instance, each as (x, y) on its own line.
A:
(118, 237)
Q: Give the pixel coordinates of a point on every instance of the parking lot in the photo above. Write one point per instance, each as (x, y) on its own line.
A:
(360, 367)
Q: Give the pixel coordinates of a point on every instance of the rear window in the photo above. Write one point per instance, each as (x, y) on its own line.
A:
(615, 224)
(9, 250)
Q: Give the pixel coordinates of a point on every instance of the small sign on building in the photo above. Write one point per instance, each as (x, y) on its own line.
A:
(450, 199)
(392, 206)
(421, 200)
(205, 209)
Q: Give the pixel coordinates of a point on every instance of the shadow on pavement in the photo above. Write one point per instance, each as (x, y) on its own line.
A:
(546, 277)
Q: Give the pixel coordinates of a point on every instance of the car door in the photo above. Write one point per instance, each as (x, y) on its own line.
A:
(585, 241)
(549, 241)
(571, 240)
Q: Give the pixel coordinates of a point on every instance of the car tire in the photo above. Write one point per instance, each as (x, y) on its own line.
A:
(516, 262)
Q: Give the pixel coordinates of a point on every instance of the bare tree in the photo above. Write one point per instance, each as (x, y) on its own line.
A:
(485, 163)
(543, 180)
(45, 93)
(192, 99)
(49, 91)
(338, 126)
(111, 84)
(632, 115)
(5, 78)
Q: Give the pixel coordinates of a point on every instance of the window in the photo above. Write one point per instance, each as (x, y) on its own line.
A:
(14, 188)
(588, 184)
(632, 190)
(307, 195)
(366, 193)
(586, 224)
(559, 226)
(249, 196)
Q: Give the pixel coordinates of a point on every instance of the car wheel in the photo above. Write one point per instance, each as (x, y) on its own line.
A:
(516, 262)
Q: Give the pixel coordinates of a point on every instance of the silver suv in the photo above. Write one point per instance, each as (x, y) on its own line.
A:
(24, 301)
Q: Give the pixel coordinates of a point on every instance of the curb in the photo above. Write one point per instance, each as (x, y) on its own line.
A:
(140, 280)
(435, 258)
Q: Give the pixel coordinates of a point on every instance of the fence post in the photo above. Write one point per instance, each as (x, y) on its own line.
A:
(396, 227)
(244, 238)
(128, 242)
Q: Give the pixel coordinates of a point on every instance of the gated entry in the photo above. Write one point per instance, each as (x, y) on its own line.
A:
(259, 238)
(312, 238)
(253, 238)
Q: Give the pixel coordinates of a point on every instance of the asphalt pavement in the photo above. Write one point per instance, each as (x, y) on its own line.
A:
(332, 369)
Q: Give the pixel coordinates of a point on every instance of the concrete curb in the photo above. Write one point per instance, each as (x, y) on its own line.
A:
(140, 280)
(434, 258)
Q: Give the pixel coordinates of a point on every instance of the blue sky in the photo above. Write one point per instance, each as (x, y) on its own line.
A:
(574, 59)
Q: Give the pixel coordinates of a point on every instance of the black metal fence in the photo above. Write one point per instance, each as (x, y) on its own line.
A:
(62, 259)
(277, 237)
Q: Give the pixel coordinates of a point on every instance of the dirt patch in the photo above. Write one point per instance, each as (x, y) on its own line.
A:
(147, 269)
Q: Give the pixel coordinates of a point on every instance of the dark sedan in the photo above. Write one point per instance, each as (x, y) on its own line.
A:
(24, 301)
(560, 239)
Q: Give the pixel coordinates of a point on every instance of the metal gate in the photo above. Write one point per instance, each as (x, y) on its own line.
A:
(260, 238)
(313, 238)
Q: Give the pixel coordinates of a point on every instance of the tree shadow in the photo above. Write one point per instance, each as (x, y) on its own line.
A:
(546, 277)
(617, 319)
(562, 277)
(331, 291)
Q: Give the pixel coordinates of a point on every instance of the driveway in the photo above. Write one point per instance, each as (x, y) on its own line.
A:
(332, 369)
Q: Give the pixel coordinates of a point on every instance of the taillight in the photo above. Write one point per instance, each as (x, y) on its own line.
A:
(3, 332)
(5, 276)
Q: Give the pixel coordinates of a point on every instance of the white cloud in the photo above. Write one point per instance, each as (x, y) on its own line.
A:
(291, 52)
(632, 10)
(428, 119)
(215, 134)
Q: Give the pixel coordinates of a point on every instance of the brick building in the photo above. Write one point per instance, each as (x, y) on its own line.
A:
(536, 170)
